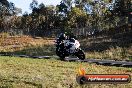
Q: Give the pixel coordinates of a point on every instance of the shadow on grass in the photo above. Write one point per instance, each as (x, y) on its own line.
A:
(43, 50)
(99, 47)
(123, 40)
(37, 50)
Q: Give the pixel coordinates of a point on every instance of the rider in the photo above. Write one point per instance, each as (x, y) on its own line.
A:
(60, 40)
(62, 37)
(69, 42)
(71, 37)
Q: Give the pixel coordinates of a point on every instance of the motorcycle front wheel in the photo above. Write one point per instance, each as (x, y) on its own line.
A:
(80, 54)
(60, 53)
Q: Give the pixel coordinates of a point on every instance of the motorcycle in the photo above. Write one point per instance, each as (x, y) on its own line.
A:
(69, 47)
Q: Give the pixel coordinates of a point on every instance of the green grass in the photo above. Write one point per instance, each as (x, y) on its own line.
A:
(18, 72)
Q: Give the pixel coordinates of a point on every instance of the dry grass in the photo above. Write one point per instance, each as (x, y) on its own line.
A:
(16, 43)
(45, 46)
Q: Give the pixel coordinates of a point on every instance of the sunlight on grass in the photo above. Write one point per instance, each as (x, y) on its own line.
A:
(51, 73)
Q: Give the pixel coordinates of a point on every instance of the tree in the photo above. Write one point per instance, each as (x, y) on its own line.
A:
(8, 8)
(62, 7)
(121, 7)
(4, 2)
(14, 10)
(34, 4)
(77, 18)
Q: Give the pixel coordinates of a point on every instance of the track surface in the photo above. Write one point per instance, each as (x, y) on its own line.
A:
(104, 62)
(97, 61)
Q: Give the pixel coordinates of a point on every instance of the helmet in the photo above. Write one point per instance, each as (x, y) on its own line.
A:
(62, 36)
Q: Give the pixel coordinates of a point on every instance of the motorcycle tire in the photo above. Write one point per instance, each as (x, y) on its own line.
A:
(60, 54)
(80, 54)
(57, 51)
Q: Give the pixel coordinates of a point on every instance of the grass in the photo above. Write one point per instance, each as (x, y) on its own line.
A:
(117, 53)
(37, 50)
(100, 47)
(107, 48)
(18, 72)
(17, 43)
